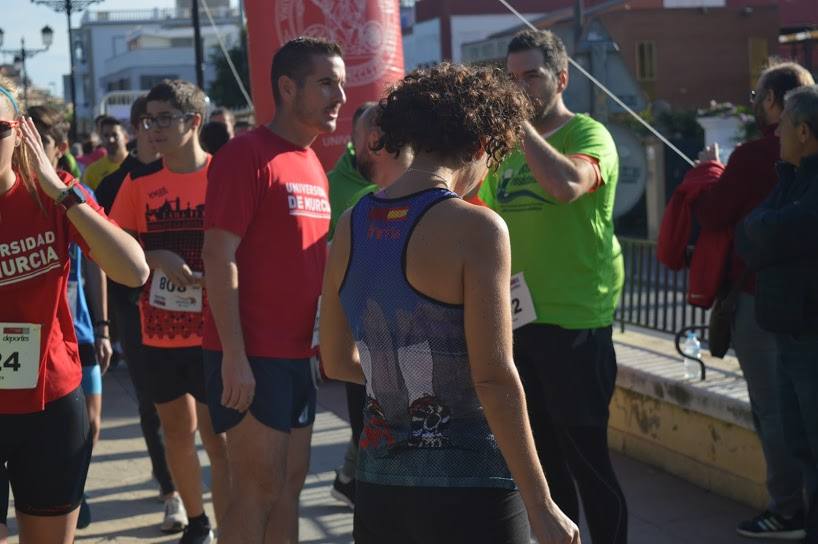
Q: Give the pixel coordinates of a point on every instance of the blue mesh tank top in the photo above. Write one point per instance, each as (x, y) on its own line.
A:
(423, 422)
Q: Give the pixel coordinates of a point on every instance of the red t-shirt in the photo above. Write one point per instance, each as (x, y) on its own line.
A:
(273, 195)
(34, 267)
(166, 210)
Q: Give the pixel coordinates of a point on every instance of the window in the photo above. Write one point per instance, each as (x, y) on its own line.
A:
(758, 54)
(181, 42)
(646, 61)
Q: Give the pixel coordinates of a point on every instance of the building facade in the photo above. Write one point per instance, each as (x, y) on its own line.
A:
(133, 50)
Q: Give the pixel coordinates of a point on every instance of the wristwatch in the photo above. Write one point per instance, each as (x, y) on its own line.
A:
(71, 197)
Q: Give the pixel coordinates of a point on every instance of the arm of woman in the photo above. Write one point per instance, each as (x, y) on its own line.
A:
(98, 299)
(487, 306)
(338, 352)
(117, 253)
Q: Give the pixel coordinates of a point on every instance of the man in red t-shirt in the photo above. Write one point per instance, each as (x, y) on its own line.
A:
(162, 205)
(267, 217)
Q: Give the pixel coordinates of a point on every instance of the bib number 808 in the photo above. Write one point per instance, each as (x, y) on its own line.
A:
(166, 285)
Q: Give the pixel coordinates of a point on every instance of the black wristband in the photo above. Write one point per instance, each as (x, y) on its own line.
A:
(102, 322)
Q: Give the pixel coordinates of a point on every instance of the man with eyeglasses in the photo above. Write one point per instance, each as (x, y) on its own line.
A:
(743, 184)
(162, 205)
(778, 241)
(115, 141)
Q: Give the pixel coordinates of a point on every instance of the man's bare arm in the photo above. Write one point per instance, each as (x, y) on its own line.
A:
(565, 178)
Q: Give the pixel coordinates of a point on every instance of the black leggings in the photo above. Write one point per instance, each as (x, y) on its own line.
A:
(433, 515)
(356, 400)
(568, 377)
(126, 315)
(580, 454)
(4, 495)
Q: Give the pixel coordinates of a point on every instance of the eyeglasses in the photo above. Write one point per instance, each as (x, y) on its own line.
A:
(163, 120)
(6, 127)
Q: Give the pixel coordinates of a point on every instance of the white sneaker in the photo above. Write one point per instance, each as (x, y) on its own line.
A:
(175, 515)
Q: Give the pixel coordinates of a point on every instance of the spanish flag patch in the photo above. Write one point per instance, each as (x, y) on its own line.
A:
(389, 214)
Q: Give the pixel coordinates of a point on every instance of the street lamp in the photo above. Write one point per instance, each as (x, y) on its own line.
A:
(20, 56)
(69, 7)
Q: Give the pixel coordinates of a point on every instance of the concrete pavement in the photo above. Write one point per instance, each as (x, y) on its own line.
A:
(123, 497)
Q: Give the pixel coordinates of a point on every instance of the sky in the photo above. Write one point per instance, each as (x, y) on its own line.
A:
(22, 19)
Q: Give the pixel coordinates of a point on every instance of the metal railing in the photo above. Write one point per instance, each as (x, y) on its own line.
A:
(151, 15)
(655, 297)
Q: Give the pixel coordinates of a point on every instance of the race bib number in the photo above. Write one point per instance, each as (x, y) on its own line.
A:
(19, 355)
(316, 326)
(72, 292)
(168, 296)
(522, 305)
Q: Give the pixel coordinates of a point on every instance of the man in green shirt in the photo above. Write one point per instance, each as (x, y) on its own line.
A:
(556, 194)
(346, 183)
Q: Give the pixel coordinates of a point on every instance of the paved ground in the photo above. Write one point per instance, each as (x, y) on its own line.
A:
(663, 509)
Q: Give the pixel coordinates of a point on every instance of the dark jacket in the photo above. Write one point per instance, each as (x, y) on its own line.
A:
(779, 240)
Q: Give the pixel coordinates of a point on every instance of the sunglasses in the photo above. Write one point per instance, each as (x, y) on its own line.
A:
(163, 120)
(6, 128)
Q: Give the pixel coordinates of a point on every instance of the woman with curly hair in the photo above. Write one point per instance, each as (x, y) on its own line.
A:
(416, 307)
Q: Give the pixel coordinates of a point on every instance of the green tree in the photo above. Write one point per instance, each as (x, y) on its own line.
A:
(224, 90)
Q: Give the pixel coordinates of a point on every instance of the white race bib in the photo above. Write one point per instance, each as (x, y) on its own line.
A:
(167, 296)
(316, 326)
(522, 305)
(19, 355)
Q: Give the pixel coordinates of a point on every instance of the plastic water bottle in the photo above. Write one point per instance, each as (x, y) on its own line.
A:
(692, 348)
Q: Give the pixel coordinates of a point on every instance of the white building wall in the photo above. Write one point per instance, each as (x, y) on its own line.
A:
(470, 28)
(422, 46)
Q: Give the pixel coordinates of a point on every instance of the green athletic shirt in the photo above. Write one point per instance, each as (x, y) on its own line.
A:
(571, 259)
(346, 187)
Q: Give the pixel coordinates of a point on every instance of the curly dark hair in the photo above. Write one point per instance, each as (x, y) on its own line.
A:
(453, 110)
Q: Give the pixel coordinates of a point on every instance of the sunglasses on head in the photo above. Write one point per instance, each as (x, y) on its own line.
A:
(7, 126)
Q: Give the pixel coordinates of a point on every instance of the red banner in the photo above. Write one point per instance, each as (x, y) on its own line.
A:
(367, 30)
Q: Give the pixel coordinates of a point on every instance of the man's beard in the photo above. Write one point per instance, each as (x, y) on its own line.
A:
(542, 109)
(365, 165)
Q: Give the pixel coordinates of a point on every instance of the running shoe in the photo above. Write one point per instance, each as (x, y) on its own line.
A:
(771, 525)
(84, 519)
(175, 515)
(195, 535)
(343, 489)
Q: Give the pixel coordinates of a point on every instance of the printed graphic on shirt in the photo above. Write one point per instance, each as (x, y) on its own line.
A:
(385, 223)
(430, 421)
(28, 257)
(307, 200)
(175, 226)
(519, 191)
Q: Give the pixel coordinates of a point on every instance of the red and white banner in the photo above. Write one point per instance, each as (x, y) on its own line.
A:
(368, 31)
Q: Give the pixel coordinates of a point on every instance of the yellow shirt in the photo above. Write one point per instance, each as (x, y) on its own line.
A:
(97, 171)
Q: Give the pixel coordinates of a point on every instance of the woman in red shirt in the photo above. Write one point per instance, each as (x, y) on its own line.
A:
(46, 442)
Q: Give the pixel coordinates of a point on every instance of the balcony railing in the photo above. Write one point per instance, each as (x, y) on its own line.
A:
(151, 15)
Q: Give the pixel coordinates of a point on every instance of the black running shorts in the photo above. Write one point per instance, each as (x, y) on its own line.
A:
(47, 455)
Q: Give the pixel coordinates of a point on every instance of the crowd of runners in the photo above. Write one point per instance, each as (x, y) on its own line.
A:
(457, 268)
